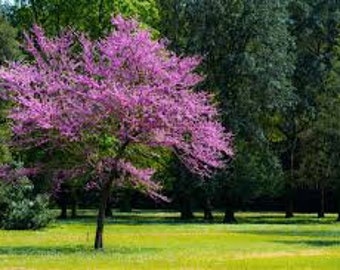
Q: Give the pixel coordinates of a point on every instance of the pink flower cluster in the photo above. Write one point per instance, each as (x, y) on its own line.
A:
(126, 85)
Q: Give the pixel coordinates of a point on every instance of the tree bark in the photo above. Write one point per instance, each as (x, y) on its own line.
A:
(321, 213)
(208, 216)
(289, 202)
(108, 210)
(105, 194)
(74, 210)
(63, 213)
(185, 208)
(229, 213)
(125, 201)
(229, 216)
(98, 243)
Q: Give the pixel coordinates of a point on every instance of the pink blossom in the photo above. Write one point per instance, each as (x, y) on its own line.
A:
(125, 85)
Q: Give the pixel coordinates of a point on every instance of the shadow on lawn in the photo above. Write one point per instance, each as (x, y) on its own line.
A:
(314, 243)
(280, 219)
(172, 218)
(68, 250)
(294, 233)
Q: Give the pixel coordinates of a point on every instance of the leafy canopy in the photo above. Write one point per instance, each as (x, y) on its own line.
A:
(124, 91)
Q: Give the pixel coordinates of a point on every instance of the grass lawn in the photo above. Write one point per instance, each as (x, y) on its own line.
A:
(155, 240)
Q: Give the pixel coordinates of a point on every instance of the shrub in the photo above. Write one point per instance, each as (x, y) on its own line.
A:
(20, 209)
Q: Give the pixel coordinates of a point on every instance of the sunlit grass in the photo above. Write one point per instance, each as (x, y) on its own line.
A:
(156, 240)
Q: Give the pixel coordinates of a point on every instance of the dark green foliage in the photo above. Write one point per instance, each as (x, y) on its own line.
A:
(91, 16)
(249, 60)
(9, 47)
(20, 209)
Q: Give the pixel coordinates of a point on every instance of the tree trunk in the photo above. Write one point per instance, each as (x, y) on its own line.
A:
(321, 213)
(289, 202)
(229, 213)
(74, 210)
(63, 213)
(98, 244)
(338, 202)
(229, 216)
(108, 210)
(289, 185)
(207, 210)
(125, 201)
(185, 208)
(105, 194)
(289, 208)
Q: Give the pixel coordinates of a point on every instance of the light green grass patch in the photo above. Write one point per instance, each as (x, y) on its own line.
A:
(154, 240)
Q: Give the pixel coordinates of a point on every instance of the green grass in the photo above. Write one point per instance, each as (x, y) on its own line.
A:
(155, 240)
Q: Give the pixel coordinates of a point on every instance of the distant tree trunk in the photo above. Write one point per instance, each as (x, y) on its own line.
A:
(321, 213)
(74, 209)
(74, 202)
(289, 208)
(186, 208)
(125, 201)
(289, 202)
(105, 194)
(63, 200)
(108, 210)
(290, 179)
(184, 192)
(229, 216)
(208, 216)
(338, 201)
(229, 213)
(63, 213)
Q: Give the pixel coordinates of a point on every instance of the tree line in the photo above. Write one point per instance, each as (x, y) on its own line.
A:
(273, 67)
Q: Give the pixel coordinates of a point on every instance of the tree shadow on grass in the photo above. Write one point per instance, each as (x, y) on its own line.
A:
(71, 250)
(314, 243)
(137, 219)
(294, 233)
(280, 219)
(173, 218)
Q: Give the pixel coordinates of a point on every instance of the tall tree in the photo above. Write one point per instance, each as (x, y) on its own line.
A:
(314, 25)
(248, 60)
(115, 102)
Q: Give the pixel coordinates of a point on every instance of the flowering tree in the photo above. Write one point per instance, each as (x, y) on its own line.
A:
(112, 102)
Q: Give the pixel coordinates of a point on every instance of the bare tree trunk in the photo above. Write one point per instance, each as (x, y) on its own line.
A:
(207, 210)
(74, 209)
(125, 201)
(229, 213)
(321, 213)
(63, 213)
(98, 244)
(185, 208)
(106, 192)
(289, 203)
(229, 216)
(108, 210)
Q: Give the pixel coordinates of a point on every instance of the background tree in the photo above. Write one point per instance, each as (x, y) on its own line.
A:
(248, 60)
(314, 25)
(90, 16)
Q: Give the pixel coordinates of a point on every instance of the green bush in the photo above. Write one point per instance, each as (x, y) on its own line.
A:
(20, 209)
